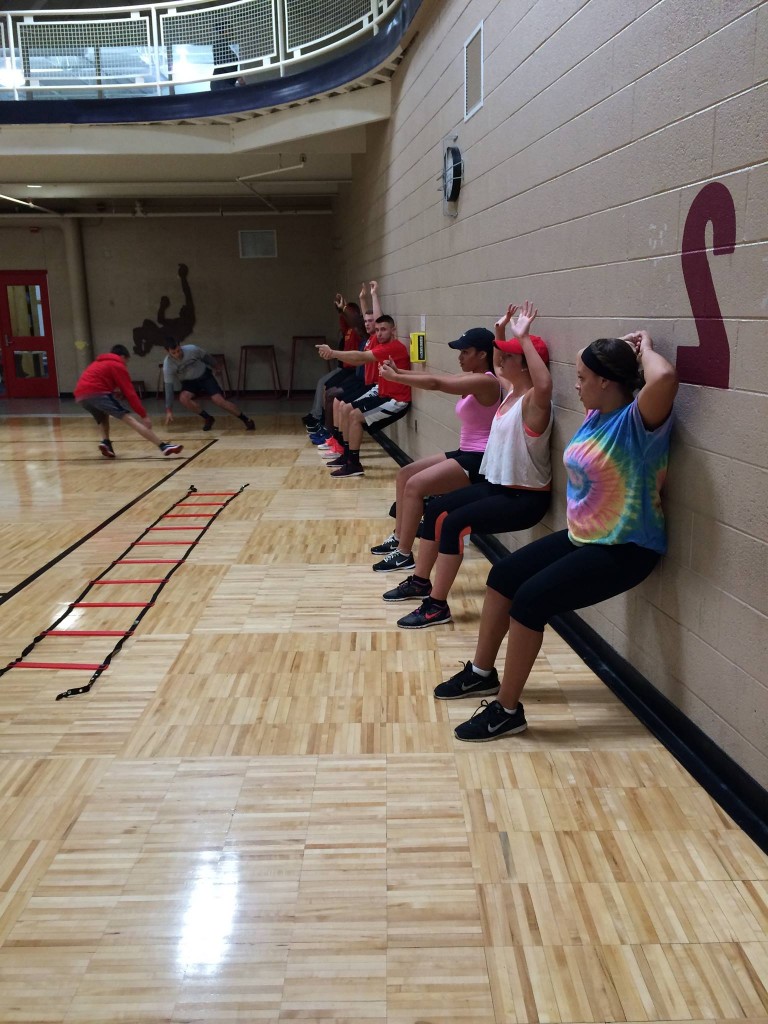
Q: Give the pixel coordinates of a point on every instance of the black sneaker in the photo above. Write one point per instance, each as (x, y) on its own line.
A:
(468, 683)
(106, 449)
(386, 545)
(337, 461)
(209, 421)
(394, 560)
(408, 590)
(172, 449)
(249, 424)
(310, 422)
(349, 469)
(429, 613)
(490, 722)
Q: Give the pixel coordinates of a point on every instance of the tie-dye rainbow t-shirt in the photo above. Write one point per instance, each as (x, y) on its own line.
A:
(616, 468)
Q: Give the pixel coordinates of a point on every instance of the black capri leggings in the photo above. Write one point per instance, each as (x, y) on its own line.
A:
(482, 508)
(553, 575)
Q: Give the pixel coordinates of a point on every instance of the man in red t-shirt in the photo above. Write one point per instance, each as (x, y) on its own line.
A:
(383, 404)
(95, 391)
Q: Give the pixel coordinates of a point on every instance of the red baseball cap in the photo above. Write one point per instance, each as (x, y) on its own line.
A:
(513, 345)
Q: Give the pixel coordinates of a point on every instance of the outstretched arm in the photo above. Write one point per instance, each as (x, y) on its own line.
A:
(352, 356)
(655, 398)
(484, 388)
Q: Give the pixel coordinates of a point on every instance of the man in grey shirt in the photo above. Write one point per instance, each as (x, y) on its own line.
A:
(191, 368)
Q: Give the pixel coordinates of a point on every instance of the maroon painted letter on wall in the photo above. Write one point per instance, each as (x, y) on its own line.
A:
(710, 362)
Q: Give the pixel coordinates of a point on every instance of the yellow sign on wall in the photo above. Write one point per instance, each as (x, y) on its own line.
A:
(418, 347)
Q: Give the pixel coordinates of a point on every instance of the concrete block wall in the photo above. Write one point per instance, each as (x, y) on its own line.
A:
(603, 121)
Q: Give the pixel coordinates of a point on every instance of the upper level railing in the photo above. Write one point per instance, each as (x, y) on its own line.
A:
(163, 49)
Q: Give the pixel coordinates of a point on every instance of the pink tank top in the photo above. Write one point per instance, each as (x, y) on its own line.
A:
(476, 421)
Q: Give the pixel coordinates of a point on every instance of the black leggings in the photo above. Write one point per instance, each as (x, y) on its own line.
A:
(482, 508)
(552, 575)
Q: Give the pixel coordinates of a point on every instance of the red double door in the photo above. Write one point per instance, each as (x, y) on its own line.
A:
(28, 362)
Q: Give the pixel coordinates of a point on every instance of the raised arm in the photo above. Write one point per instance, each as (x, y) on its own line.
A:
(655, 398)
(375, 300)
(484, 388)
(537, 405)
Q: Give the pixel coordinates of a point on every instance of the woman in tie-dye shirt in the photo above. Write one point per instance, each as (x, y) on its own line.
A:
(616, 464)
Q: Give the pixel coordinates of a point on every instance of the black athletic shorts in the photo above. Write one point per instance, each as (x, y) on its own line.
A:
(202, 387)
(103, 406)
(469, 462)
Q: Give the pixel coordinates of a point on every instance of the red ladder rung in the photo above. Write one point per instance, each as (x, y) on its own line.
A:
(113, 604)
(88, 632)
(190, 515)
(150, 561)
(75, 665)
(104, 583)
(175, 528)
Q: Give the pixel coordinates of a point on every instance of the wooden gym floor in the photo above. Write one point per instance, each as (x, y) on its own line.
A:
(259, 813)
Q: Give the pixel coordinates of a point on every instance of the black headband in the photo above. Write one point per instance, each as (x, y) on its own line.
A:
(592, 360)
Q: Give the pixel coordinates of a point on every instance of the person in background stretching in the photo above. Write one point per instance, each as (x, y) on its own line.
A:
(514, 490)
(480, 395)
(192, 368)
(616, 464)
(95, 391)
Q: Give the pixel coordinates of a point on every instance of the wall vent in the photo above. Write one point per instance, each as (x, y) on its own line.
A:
(258, 245)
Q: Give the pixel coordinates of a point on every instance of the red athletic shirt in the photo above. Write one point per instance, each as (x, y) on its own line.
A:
(351, 338)
(396, 351)
(106, 374)
(371, 369)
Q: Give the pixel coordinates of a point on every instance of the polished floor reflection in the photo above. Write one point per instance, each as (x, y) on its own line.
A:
(260, 814)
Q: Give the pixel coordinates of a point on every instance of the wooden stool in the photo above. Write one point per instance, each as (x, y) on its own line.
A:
(315, 339)
(242, 371)
(220, 371)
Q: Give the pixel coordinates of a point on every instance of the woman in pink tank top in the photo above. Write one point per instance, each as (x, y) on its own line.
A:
(480, 395)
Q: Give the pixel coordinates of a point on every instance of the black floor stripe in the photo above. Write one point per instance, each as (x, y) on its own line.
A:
(63, 554)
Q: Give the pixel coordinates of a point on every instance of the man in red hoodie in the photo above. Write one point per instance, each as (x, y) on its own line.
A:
(95, 391)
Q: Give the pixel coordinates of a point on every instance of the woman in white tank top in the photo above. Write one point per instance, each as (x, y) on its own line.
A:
(514, 489)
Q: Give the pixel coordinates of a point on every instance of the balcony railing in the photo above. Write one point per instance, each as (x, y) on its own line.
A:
(164, 49)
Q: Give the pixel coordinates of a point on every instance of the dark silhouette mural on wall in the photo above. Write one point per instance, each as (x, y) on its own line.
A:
(179, 327)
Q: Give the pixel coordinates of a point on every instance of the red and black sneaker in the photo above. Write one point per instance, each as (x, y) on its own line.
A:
(429, 613)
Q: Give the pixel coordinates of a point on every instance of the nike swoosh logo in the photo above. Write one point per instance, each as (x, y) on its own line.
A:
(433, 615)
(466, 686)
(495, 728)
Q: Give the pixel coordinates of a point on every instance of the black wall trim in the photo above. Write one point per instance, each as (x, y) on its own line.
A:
(325, 77)
(735, 790)
(115, 515)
